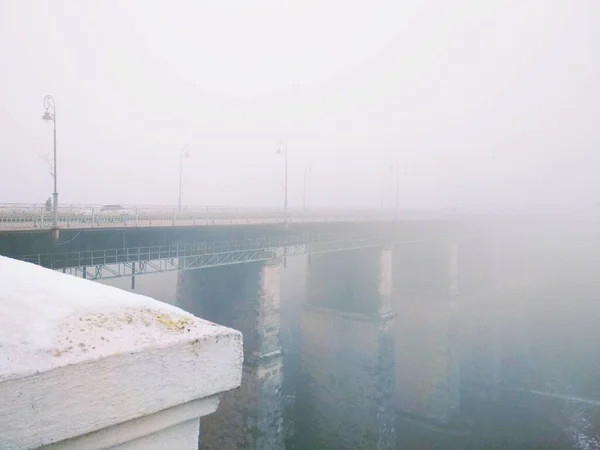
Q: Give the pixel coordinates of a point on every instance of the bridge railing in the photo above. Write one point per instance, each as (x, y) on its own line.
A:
(38, 217)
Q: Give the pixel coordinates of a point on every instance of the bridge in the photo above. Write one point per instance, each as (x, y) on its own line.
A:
(401, 313)
(190, 237)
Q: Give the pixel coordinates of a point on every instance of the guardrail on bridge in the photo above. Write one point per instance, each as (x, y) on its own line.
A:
(19, 217)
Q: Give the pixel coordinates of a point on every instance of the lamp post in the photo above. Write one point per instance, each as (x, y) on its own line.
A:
(397, 190)
(50, 116)
(307, 170)
(393, 167)
(385, 185)
(183, 154)
(282, 150)
(382, 193)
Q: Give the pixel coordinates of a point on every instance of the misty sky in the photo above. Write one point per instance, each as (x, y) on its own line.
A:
(482, 103)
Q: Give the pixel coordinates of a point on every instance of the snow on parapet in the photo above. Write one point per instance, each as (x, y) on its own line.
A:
(81, 360)
(49, 319)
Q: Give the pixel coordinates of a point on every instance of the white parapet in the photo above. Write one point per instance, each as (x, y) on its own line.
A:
(88, 366)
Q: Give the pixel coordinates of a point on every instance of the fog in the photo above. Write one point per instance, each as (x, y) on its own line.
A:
(483, 104)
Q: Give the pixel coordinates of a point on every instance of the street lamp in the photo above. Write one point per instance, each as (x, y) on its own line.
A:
(395, 166)
(384, 186)
(184, 154)
(382, 193)
(282, 150)
(50, 116)
(307, 170)
(397, 190)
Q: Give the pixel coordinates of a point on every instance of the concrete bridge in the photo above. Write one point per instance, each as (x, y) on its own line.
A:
(402, 315)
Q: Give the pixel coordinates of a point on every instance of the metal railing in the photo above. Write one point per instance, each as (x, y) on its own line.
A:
(16, 217)
(97, 264)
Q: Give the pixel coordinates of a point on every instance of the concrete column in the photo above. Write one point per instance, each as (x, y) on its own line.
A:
(244, 296)
(514, 281)
(346, 389)
(425, 303)
(479, 321)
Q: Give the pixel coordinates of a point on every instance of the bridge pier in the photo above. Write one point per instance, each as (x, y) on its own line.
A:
(480, 337)
(346, 388)
(426, 308)
(244, 297)
(494, 325)
(480, 349)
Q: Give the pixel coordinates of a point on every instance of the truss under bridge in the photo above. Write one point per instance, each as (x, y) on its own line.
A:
(123, 262)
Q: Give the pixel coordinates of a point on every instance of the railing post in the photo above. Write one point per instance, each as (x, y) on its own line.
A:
(133, 276)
